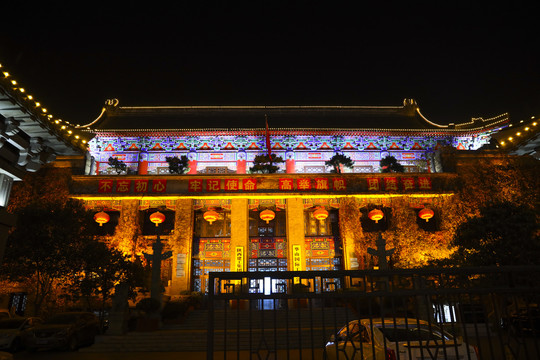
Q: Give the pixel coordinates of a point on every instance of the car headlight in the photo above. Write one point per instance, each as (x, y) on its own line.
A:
(61, 333)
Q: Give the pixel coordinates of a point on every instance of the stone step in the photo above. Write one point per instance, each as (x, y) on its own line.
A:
(197, 341)
(243, 319)
(295, 328)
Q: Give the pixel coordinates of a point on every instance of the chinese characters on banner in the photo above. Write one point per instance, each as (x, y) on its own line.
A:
(239, 259)
(390, 183)
(395, 184)
(321, 184)
(214, 185)
(139, 186)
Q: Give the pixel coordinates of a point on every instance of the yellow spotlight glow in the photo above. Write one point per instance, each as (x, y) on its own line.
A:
(6, 74)
(502, 142)
(534, 123)
(510, 138)
(13, 82)
(518, 134)
(76, 136)
(63, 127)
(84, 141)
(21, 90)
(69, 131)
(38, 104)
(30, 97)
(44, 110)
(527, 129)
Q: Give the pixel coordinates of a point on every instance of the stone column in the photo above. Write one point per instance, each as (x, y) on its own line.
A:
(295, 231)
(126, 235)
(181, 244)
(239, 230)
(351, 233)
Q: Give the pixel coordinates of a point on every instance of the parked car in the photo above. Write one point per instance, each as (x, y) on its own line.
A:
(13, 332)
(68, 330)
(5, 356)
(4, 314)
(405, 339)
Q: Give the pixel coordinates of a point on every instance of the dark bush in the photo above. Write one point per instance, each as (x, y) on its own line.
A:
(148, 305)
(174, 309)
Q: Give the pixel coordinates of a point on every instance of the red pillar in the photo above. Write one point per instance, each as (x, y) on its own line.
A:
(97, 167)
(289, 163)
(143, 164)
(192, 166)
(240, 166)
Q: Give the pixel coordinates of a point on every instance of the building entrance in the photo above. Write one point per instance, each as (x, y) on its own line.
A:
(268, 252)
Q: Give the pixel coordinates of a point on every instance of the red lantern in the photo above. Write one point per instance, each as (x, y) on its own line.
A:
(426, 214)
(376, 215)
(211, 216)
(157, 218)
(267, 215)
(101, 218)
(320, 214)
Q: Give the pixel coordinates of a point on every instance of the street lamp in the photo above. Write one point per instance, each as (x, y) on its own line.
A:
(156, 288)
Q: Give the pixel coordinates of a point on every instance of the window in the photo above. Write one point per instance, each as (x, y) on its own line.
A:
(165, 228)
(369, 225)
(219, 228)
(314, 227)
(275, 227)
(109, 227)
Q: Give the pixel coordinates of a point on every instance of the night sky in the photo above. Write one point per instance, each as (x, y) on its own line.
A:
(456, 59)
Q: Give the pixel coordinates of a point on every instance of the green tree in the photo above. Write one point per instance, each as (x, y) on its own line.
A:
(103, 269)
(47, 246)
(339, 160)
(503, 234)
(178, 165)
(118, 165)
(390, 164)
(265, 164)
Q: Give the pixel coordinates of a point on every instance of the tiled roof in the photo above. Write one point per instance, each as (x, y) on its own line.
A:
(295, 118)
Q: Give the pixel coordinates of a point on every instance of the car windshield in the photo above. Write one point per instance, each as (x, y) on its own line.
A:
(412, 333)
(63, 319)
(11, 323)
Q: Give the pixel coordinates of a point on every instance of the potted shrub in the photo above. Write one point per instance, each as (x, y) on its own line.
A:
(175, 311)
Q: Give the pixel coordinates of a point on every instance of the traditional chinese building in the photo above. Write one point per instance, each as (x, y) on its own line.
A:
(221, 217)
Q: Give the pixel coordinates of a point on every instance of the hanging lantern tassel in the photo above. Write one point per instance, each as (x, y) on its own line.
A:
(320, 214)
(157, 218)
(101, 218)
(211, 216)
(267, 215)
(426, 214)
(376, 215)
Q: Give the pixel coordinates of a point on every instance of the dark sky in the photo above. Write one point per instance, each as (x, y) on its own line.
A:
(457, 59)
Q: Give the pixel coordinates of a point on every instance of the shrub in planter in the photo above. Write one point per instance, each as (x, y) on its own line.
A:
(149, 306)
(174, 310)
(195, 299)
(149, 321)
